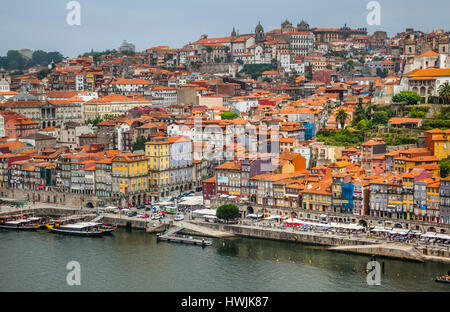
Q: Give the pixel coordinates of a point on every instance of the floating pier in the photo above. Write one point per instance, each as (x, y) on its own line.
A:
(171, 236)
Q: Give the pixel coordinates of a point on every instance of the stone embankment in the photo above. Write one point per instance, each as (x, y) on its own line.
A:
(391, 250)
(343, 243)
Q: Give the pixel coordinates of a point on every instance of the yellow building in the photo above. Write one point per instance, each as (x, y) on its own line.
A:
(170, 166)
(158, 153)
(130, 182)
(317, 196)
(433, 200)
(408, 194)
(438, 141)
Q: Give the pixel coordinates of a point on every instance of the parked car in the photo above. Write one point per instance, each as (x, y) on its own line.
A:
(132, 214)
(156, 217)
(145, 216)
(178, 217)
(141, 207)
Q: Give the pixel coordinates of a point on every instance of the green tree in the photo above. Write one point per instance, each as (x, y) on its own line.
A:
(341, 117)
(380, 118)
(444, 92)
(416, 113)
(42, 74)
(444, 164)
(139, 145)
(408, 97)
(228, 212)
(94, 121)
(128, 53)
(228, 115)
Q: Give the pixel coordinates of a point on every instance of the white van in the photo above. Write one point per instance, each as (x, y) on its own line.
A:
(179, 218)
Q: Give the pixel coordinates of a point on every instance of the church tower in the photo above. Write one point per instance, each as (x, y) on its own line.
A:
(233, 33)
(260, 36)
(443, 46)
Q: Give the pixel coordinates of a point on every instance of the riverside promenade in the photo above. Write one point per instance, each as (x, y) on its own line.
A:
(349, 243)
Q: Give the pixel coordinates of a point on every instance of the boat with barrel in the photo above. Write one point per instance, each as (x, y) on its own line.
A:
(89, 229)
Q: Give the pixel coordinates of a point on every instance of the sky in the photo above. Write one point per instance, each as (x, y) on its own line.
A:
(104, 24)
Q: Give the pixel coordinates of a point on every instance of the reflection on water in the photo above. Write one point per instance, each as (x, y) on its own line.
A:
(135, 261)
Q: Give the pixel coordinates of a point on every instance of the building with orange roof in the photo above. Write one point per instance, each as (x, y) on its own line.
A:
(371, 149)
(438, 141)
(402, 122)
(427, 81)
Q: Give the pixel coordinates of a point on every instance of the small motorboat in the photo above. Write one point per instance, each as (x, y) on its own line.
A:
(443, 278)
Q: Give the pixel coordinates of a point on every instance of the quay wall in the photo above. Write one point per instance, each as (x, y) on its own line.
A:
(281, 235)
(422, 253)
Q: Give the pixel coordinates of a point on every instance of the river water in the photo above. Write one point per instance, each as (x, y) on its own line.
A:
(134, 261)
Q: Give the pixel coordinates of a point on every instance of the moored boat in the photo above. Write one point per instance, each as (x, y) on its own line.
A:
(107, 229)
(78, 229)
(19, 224)
(61, 221)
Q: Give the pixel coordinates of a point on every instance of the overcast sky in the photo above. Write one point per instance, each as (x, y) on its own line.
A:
(41, 24)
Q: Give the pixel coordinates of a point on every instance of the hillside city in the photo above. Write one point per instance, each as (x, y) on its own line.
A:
(294, 121)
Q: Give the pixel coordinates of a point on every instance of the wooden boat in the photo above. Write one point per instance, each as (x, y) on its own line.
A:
(61, 221)
(89, 229)
(37, 222)
(107, 229)
(19, 224)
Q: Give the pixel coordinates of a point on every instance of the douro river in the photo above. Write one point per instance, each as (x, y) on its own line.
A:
(134, 261)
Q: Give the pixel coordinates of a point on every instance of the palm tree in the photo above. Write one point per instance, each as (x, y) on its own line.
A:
(444, 92)
(341, 117)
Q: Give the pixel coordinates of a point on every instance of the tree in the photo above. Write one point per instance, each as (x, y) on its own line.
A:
(380, 118)
(382, 73)
(228, 212)
(42, 74)
(128, 53)
(94, 121)
(445, 167)
(228, 115)
(341, 117)
(444, 92)
(408, 97)
(139, 145)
